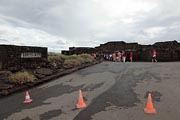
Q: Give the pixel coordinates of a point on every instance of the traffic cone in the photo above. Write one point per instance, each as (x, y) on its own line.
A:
(81, 103)
(149, 106)
(27, 98)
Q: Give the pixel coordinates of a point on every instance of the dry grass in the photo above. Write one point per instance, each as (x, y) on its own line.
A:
(73, 60)
(87, 58)
(55, 57)
(21, 78)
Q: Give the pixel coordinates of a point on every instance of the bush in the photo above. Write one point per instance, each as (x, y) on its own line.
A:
(56, 57)
(81, 60)
(71, 57)
(72, 60)
(21, 78)
(61, 56)
(87, 58)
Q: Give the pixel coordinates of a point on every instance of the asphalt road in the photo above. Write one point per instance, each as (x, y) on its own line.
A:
(112, 91)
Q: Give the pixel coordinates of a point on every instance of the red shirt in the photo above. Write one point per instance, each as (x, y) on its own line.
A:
(131, 55)
(154, 53)
(124, 54)
(116, 54)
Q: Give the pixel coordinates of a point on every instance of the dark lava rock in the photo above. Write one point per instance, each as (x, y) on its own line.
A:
(44, 71)
(5, 86)
(56, 64)
(4, 74)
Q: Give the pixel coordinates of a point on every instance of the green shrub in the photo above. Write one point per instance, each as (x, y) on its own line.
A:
(21, 78)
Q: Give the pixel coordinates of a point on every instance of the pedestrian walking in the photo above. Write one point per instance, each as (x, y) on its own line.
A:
(154, 54)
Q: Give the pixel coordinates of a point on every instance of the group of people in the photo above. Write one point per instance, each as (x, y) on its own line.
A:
(118, 56)
(122, 56)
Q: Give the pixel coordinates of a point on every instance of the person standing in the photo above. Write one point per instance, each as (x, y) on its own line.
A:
(114, 57)
(154, 54)
(124, 56)
(131, 56)
(119, 56)
(110, 57)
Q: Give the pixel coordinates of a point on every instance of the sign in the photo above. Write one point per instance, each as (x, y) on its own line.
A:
(31, 55)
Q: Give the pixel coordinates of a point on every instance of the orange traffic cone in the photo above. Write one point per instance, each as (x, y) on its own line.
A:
(81, 103)
(27, 98)
(149, 106)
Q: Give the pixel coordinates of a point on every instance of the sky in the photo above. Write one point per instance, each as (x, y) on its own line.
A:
(60, 24)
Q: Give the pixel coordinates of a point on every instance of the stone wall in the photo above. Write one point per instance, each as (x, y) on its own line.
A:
(166, 51)
(18, 57)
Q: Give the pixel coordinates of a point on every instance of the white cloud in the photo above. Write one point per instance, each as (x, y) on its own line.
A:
(154, 31)
(125, 7)
(32, 37)
(87, 22)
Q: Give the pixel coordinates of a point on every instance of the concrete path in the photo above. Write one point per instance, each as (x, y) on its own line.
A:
(112, 91)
